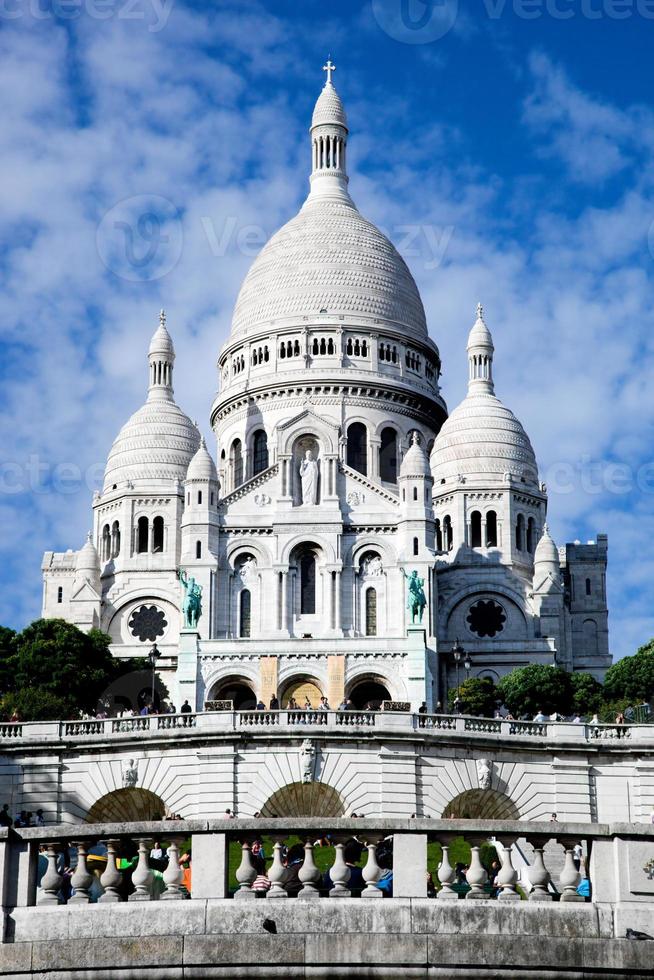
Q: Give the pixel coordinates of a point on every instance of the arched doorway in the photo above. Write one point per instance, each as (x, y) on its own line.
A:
(481, 804)
(127, 806)
(237, 690)
(302, 689)
(369, 692)
(304, 800)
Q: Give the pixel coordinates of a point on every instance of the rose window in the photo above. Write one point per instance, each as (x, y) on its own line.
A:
(486, 618)
(148, 623)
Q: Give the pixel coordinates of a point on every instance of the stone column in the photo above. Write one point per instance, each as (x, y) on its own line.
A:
(409, 865)
(210, 860)
(335, 679)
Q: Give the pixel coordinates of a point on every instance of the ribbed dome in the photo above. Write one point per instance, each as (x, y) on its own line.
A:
(329, 259)
(202, 466)
(329, 109)
(157, 443)
(483, 438)
(87, 557)
(415, 462)
(546, 551)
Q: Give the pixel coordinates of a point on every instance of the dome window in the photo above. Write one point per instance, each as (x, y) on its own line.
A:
(416, 546)
(448, 538)
(475, 529)
(115, 539)
(357, 447)
(491, 529)
(259, 452)
(106, 543)
(198, 549)
(520, 533)
(388, 456)
(486, 618)
(236, 464)
(158, 535)
(531, 535)
(142, 534)
(588, 587)
(60, 594)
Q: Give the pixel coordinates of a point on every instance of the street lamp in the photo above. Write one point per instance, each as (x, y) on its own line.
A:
(153, 656)
(457, 653)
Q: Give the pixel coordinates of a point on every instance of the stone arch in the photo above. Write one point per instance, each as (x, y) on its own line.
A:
(308, 424)
(481, 804)
(370, 543)
(245, 546)
(366, 676)
(304, 800)
(504, 595)
(236, 688)
(316, 541)
(301, 686)
(372, 691)
(129, 805)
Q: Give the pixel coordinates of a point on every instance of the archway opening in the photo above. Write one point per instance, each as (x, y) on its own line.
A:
(370, 693)
(236, 690)
(303, 689)
(304, 800)
(481, 804)
(127, 806)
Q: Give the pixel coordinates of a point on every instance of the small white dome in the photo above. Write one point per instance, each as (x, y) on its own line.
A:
(415, 462)
(480, 335)
(546, 551)
(161, 342)
(157, 443)
(87, 557)
(202, 466)
(481, 439)
(329, 109)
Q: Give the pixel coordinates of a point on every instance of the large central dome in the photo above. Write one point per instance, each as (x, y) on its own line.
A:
(329, 259)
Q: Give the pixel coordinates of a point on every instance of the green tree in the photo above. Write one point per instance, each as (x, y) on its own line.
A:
(478, 697)
(538, 687)
(7, 648)
(632, 677)
(58, 671)
(587, 693)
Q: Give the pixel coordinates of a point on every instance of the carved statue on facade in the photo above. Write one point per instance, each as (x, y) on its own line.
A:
(416, 598)
(130, 775)
(309, 477)
(373, 567)
(308, 761)
(484, 773)
(247, 570)
(192, 602)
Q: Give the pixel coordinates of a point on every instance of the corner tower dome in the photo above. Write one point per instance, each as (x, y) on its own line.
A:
(159, 440)
(482, 439)
(329, 259)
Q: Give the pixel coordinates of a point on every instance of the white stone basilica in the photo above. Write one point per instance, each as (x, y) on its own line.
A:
(339, 472)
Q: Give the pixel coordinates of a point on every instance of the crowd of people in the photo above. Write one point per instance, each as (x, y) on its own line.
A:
(26, 818)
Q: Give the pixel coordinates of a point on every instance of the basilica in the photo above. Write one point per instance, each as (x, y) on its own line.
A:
(338, 478)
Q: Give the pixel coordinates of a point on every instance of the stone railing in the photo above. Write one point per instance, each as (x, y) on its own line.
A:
(82, 864)
(395, 722)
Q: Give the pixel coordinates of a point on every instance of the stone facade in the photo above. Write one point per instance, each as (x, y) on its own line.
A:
(329, 363)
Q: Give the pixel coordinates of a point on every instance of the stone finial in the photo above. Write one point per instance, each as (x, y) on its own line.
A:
(480, 312)
(162, 318)
(415, 439)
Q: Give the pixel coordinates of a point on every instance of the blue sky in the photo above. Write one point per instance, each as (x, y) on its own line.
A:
(506, 148)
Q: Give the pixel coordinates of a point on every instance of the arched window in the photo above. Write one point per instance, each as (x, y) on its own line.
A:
(142, 535)
(388, 456)
(245, 613)
(307, 584)
(416, 546)
(531, 527)
(491, 529)
(371, 612)
(259, 452)
(158, 534)
(520, 533)
(357, 447)
(106, 543)
(236, 461)
(448, 537)
(198, 549)
(415, 493)
(588, 587)
(475, 529)
(60, 594)
(439, 536)
(199, 496)
(115, 539)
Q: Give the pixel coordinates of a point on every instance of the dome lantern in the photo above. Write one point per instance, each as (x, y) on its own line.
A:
(480, 356)
(161, 357)
(328, 142)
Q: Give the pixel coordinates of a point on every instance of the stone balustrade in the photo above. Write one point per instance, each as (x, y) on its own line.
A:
(21, 850)
(383, 721)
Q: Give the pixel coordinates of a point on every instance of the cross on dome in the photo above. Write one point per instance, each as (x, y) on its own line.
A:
(162, 318)
(329, 68)
(480, 311)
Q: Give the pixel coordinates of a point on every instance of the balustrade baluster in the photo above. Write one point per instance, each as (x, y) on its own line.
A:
(245, 873)
(507, 875)
(173, 875)
(339, 871)
(570, 877)
(277, 873)
(446, 876)
(82, 878)
(476, 873)
(111, 878)
(51, 881)
(309, 874)
(142, 877)
(539, 876)
(372, 872)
